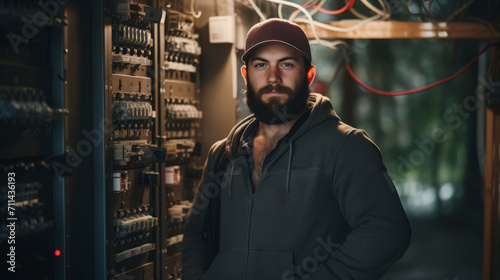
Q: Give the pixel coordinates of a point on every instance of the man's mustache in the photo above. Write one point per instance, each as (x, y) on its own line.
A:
(277, 88)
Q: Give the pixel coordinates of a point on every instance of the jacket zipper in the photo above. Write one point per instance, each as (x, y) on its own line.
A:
(251, 211)
(249, 232)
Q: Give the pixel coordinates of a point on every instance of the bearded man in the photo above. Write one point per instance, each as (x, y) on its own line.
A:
(292, 192)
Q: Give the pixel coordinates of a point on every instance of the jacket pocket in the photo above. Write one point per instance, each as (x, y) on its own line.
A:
(270, 265)
(228, 265)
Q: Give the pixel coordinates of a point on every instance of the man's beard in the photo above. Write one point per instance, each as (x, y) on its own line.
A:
(274, 112)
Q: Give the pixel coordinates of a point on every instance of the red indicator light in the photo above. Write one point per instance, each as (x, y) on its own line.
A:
(57, 253)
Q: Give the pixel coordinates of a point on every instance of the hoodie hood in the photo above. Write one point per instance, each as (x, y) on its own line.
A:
(320, 110)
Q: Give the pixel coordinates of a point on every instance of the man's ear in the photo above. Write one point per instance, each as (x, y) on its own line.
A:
(310, 74)
(244, 73)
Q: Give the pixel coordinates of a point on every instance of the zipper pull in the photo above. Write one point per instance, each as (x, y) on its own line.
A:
(245, 145)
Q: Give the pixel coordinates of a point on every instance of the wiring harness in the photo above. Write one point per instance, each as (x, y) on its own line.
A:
(382, 13)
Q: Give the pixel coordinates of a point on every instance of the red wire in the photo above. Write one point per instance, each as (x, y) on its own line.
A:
(395, 93)
(347, 6)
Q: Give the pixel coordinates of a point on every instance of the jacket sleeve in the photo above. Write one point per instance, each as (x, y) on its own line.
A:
(195, 256)
(380, 231)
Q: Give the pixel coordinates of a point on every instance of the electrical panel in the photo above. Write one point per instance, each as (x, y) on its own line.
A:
(131, 211)
(179, 132)
(31, 123)
(152, 157)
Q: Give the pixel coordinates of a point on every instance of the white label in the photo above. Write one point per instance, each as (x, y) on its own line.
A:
(117, 182)
(169, 175)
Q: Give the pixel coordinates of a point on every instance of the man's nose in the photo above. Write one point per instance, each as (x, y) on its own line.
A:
(274, 76)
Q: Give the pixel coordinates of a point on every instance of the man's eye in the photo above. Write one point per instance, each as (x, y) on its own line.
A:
(286, 64)
(260, 65)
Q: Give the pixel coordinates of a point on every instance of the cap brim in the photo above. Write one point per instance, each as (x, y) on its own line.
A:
(245, 56)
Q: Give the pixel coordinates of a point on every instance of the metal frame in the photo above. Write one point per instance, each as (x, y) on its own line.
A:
(99, 90)
(491, 188)
(406, 30)
(59, 93)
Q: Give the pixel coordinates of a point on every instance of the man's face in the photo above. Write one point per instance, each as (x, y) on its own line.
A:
(277, 87)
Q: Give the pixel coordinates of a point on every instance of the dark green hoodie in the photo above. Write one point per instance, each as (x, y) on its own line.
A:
(324, 208)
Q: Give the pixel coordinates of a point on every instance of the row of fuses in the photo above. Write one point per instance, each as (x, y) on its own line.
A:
(183, 111)
(29, 219)
(181, 129)
(180, 62)
(27, 103)
(131, 36)
(185, 45)
(29, 166)
(24, 192)
(15, 109)
(139, 250)
(132, 111)
(135, 223)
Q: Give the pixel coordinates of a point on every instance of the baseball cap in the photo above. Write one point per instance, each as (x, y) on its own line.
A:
(277, 31)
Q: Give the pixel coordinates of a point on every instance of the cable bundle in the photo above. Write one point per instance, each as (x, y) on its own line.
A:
(380, 14)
